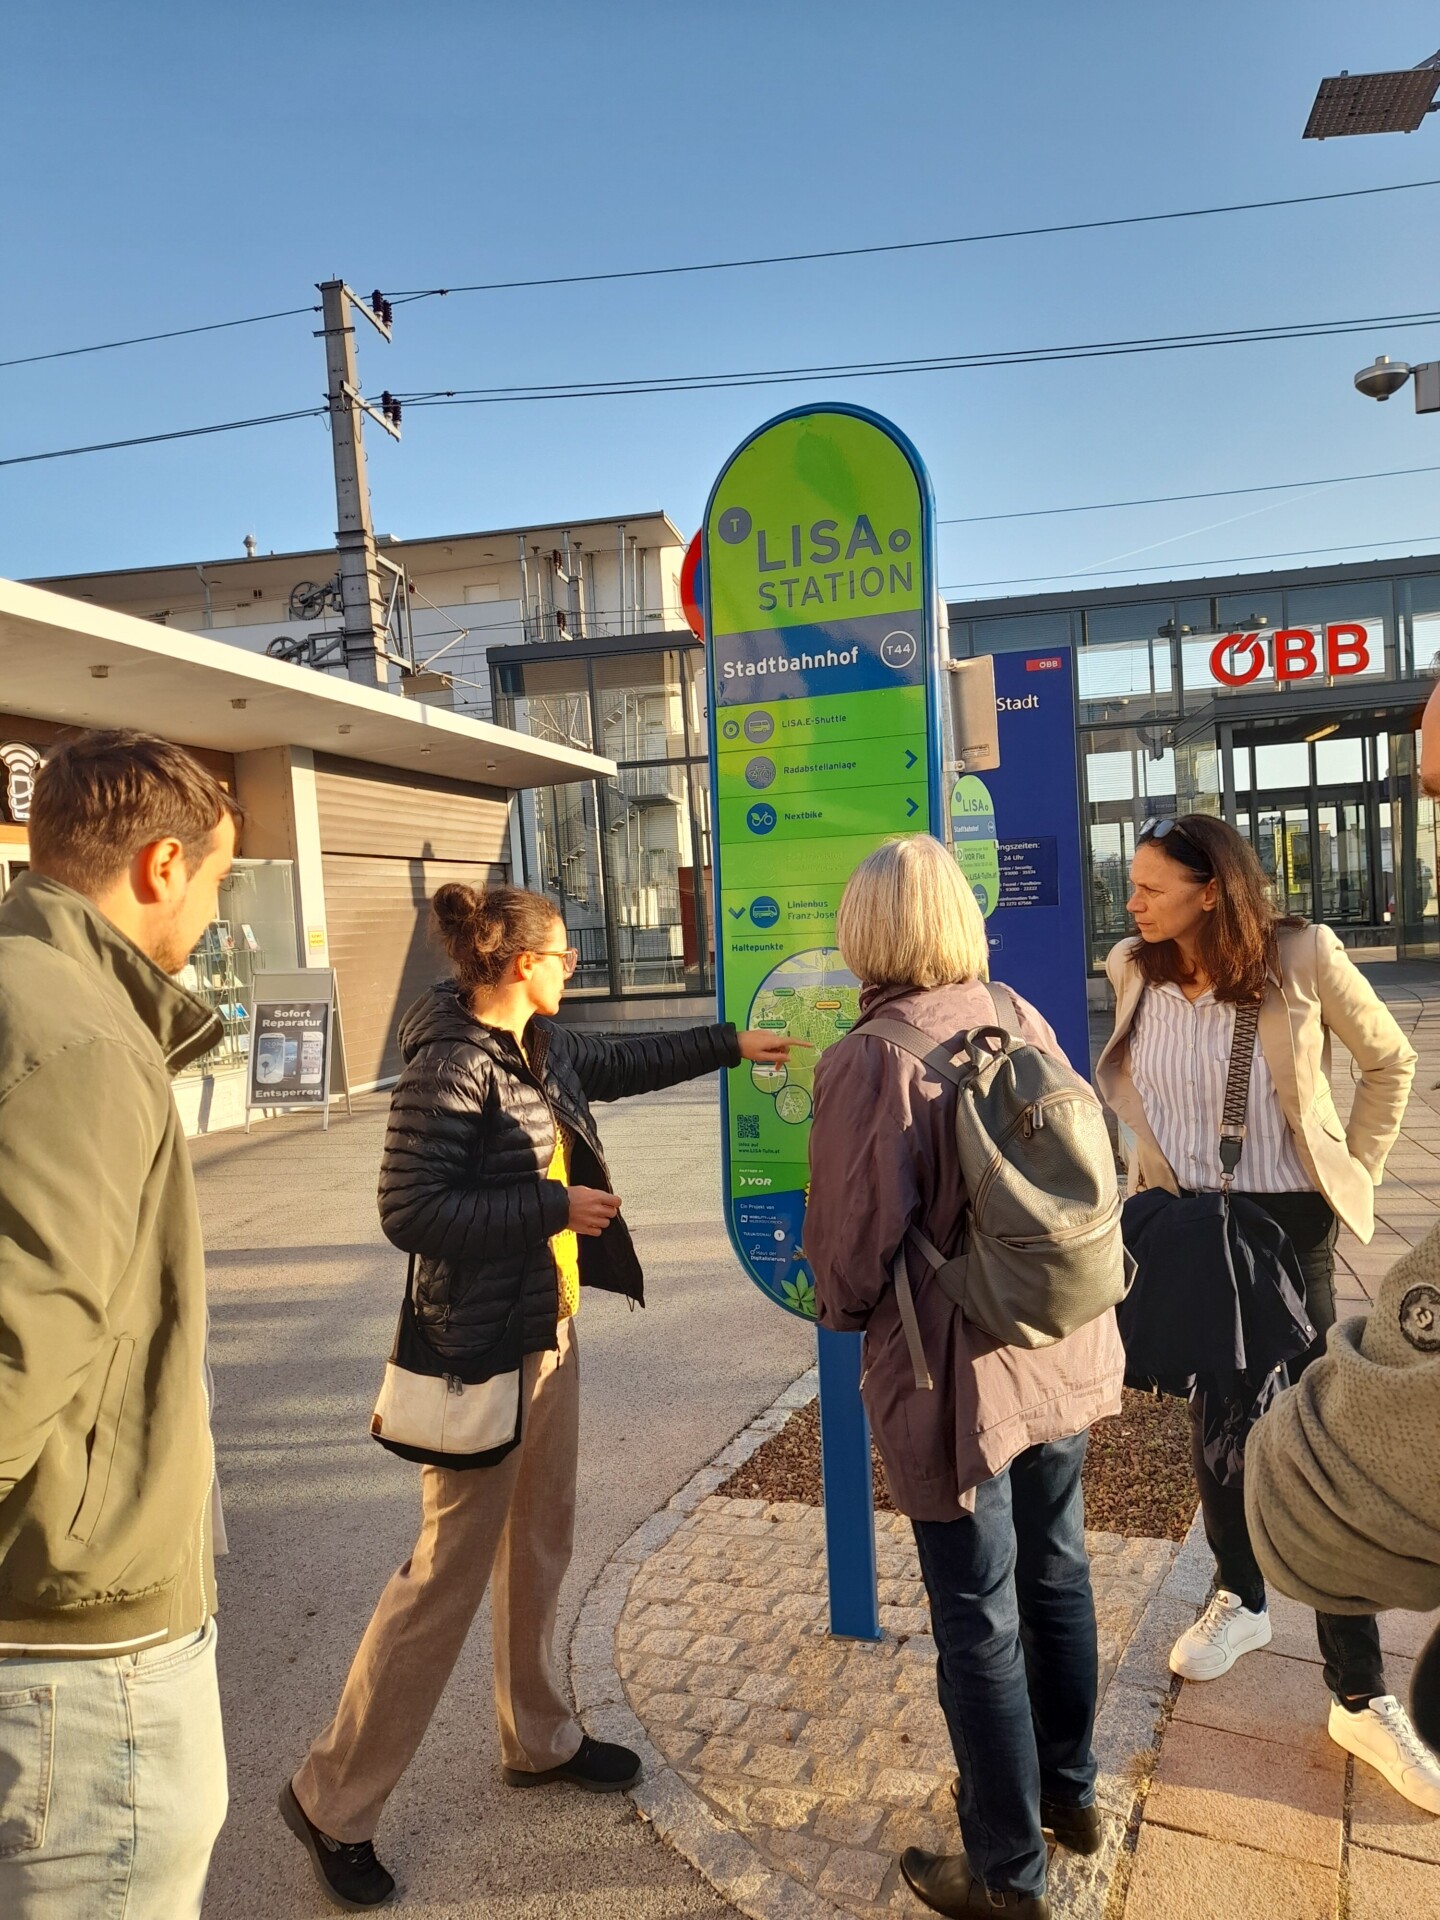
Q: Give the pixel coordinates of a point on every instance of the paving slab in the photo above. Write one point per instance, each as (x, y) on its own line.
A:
(1254, 1793)
(1182, 1876)
(1383, 1886)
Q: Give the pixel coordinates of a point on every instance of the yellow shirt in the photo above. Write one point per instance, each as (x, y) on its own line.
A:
(564, 1247)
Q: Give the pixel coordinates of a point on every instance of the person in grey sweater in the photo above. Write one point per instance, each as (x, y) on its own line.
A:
(1341, 1494)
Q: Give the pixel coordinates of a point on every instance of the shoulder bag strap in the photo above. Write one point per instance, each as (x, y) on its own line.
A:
(1237, 1092)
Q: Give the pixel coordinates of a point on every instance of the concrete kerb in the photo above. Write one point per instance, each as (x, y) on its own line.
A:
(1127, 1728)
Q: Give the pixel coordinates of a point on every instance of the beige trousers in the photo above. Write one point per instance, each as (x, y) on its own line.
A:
(517, 1519)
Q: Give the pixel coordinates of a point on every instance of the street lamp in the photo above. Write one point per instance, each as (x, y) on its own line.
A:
(1395, 102)
(1385, 376)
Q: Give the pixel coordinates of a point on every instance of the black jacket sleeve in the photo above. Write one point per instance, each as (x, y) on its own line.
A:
(435, 1199)
(616, 1069)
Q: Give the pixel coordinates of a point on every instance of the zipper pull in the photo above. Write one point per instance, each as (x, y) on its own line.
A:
(454, 1384)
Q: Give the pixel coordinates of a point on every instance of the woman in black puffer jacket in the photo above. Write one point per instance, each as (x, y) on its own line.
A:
(494, 1178)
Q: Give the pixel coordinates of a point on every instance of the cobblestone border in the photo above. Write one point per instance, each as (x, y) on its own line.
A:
(1126, 1728)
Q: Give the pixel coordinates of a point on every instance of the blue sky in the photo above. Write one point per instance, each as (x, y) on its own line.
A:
(172, 164)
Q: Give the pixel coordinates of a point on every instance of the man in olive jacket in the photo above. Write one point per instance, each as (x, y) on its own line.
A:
(112, 1768)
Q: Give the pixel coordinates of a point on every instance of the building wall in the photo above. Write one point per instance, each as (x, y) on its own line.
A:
(387, 843)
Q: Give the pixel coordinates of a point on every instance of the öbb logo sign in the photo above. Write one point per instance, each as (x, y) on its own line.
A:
(1240, 657)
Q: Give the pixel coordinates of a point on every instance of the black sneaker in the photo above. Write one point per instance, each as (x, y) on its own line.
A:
(1078, 1828)
(348, 1871)
(947, 1884)
(599, 1766)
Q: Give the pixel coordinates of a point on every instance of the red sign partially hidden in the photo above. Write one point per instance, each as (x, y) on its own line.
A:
(691, 595)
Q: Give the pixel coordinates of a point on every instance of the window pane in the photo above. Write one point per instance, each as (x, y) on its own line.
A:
(1022, 633)
(253, 930)
(640, 701)
(549, 699)
(1422, 598)
(1338, 762)
(1126, 659)
(649, 851)
(567, 852)
(1287, 765)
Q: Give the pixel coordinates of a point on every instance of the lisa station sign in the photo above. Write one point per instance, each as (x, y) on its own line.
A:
(1293, 653)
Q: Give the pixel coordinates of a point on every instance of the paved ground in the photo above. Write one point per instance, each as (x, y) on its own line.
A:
(830, 1757)
(1251, 1811)
(1253, 1808)
(304, 1294)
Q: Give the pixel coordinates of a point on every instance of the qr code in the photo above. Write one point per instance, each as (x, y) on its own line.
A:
(747, 1126)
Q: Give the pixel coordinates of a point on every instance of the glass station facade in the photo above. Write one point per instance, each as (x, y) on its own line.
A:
(1286, 702)
(1179, 708)
(626, 859)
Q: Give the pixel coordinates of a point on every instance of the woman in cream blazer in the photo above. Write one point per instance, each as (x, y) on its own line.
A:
(1209, 940)
(1315, 990)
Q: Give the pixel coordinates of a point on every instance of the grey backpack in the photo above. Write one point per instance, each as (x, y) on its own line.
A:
(1040, 1253)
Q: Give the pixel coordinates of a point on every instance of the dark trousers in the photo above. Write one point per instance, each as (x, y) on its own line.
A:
(1349, 1643)
(1014, 1622)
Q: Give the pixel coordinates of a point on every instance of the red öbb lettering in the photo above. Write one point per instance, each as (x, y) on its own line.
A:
(1347, 650)
(1226, 673)
(1295, 654)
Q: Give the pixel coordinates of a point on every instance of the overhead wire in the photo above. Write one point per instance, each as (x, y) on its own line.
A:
(143, 339)
(779, 376)
(412, 294)
(150, 439)
(936, 363)
(1170, 499)
(908, 246)
(1183, 569)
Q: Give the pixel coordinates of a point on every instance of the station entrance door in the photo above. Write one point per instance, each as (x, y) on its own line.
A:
(1332, 808)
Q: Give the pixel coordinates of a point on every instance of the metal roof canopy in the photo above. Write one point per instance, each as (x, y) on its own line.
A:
(1394, 102)
(206, 693)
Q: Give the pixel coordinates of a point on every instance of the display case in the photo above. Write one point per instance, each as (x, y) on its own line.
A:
(253, 931)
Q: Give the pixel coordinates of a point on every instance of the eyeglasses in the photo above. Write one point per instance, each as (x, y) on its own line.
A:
(1162, 826)
(569, 957)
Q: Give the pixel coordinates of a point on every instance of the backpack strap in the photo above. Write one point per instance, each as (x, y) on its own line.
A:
(949, 1274)
(1003, 1001)
(919, 1045)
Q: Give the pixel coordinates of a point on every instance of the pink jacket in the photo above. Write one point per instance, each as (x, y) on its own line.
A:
(882, 1156)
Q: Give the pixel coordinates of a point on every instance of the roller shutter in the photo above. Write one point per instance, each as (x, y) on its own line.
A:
(387, 842)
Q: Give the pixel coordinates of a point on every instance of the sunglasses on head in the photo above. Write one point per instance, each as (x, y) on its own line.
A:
(1189, 850)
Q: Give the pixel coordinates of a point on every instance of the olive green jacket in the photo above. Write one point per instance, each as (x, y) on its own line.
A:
(105, 1452)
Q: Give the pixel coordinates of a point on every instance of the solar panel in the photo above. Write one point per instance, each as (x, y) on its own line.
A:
(1372, 103)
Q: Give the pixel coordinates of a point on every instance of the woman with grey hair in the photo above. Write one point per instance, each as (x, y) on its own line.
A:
(986, 1460)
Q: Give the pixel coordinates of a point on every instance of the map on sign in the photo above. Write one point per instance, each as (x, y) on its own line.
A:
(811, 996)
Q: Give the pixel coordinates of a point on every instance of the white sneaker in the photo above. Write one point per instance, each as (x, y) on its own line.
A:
(1218, 1638)
(1382, 1735)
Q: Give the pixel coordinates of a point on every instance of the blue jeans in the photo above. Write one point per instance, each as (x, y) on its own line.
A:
(1014, 1621)
(112, 1784)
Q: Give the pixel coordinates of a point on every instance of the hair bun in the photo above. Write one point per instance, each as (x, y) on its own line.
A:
(456, 908)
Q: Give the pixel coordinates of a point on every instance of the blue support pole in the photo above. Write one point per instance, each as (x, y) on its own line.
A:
(849, 1491)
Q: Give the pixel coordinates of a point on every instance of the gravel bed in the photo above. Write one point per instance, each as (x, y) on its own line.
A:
(1137, 1469)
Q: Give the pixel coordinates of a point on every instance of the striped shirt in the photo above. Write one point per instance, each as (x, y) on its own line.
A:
(1180, 1061)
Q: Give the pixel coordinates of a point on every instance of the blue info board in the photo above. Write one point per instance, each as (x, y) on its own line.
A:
(1017, 837)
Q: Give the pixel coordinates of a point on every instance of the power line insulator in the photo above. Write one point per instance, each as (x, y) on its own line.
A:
(395, 412)
(387, 312)
(377, 302)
